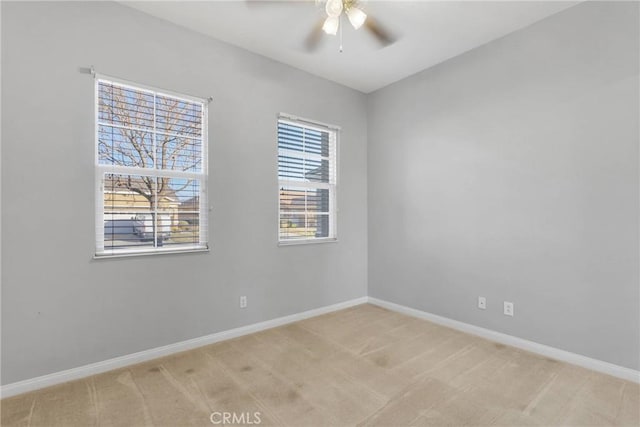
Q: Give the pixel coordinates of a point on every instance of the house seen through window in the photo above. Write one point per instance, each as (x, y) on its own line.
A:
(307, 177)
(151, 170)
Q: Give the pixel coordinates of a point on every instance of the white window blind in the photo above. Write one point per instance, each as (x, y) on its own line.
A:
(307, 177)
(151, 170)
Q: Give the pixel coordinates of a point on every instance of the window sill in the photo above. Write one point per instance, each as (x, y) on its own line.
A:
(128, 254)
(306, 241)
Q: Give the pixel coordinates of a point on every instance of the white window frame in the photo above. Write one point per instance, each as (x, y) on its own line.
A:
(332, 187)
(101, 170)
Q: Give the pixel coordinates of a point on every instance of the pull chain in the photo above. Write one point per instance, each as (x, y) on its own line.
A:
(340, 25)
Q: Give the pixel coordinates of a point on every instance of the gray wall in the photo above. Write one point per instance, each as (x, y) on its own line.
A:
(511, 172)
(61, 309)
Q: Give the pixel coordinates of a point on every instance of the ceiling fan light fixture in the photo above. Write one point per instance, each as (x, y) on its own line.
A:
(334, 8)
(331, 25)
(356, 17)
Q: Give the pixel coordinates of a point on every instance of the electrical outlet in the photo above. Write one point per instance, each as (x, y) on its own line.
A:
(243, 302)
(508, 308)
(482, 303)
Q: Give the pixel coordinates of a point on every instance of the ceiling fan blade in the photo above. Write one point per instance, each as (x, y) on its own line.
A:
(312, 41)
(383, 36)
(258, 3)
(252, 3)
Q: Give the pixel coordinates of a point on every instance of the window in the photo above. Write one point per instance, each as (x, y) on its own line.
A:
(151, 170)
(307, 177)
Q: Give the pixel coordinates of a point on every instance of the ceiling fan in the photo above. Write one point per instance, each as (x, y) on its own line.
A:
(337, 11)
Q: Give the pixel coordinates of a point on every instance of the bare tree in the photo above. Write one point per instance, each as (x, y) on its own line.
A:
(149, 131)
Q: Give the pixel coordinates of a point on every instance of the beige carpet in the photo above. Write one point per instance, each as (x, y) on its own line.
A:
(360, 366)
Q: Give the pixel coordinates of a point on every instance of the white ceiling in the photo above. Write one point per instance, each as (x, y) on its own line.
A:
(428, 32)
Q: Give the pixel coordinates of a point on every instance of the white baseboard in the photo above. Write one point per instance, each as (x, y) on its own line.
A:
(154, 353)
(533, 347)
